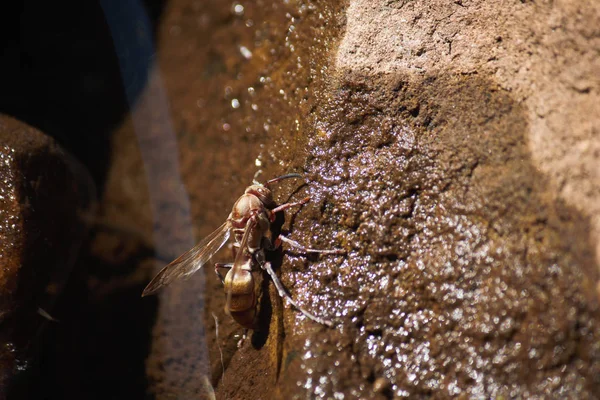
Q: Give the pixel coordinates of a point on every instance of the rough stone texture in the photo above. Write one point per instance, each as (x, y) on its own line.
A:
(466, 273)
(44, 198)
(441, 144)
(545, 54)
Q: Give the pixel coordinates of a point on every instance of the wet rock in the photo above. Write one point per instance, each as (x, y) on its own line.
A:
(225, 110)
(44, 197)
(544, 54)
(465, 276)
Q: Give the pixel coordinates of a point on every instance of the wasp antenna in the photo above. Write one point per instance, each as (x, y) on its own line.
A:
(282, 177)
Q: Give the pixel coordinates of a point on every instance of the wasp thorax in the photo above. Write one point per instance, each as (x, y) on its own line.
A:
(263, 193)
(244, 208)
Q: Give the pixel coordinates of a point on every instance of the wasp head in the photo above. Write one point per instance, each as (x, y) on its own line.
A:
(263, 193)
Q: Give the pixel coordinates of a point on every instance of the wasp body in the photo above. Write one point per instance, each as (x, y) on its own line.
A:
(250, 221)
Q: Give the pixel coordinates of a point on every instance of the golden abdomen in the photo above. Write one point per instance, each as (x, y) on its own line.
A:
(242, 305)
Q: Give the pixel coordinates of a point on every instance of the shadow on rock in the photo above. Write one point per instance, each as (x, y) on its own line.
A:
(60, 73)
(44, 193)
(464, 277)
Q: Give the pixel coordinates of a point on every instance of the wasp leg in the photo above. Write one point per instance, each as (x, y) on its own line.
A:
(280, 289)
(222, 266)
(300, 247)
(285, 206)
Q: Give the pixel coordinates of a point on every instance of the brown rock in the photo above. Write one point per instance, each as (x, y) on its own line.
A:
(43, 194)
(431, 142)
(467, 274)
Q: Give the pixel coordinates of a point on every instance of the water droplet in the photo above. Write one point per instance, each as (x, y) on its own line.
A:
(238, 9)
(457, 314)
(245, 52)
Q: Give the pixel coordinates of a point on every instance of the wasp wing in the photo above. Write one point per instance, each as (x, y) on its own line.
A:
(239, 259)
(191, 261)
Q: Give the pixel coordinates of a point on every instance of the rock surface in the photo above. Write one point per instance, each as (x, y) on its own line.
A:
(449, 148)
(545, 54)
(44, 193)
(468, 272)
